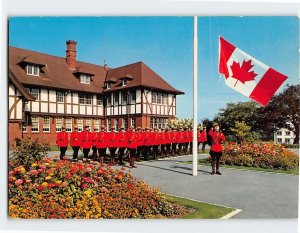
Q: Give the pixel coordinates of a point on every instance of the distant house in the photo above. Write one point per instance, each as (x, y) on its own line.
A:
(284, 136)
(46, 92)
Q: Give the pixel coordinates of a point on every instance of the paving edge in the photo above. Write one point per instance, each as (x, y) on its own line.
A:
(226, 216)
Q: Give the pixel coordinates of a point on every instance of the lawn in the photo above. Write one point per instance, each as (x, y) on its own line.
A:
(242, 168)
(202, 210)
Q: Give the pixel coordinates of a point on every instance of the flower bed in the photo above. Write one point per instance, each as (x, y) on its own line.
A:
(62, 189)
(264, 155)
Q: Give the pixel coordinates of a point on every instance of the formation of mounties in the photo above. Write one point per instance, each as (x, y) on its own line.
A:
(136, 143)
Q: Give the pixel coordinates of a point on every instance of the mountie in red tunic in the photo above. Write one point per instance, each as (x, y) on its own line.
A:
(217, 139)
(146, 138)
(185, 136)
(173, 137)
(94, 138)
(132, 139)
(122, 139)
(101, 140)
(179, 137)
(85, 139)
(161, 138)
(167, 137)
(62, 139)
(112, 139)
(190, 136)
(139, 140)
(75, 138)
(203, 136)
(199, 137)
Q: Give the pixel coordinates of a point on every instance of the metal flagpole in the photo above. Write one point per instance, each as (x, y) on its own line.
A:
(195, 144)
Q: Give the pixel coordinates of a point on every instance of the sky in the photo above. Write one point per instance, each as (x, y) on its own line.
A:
(165, 44)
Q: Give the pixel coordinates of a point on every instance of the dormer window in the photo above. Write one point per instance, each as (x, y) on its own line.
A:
(108, 86)
(84, 78)
(33, 70)
(124, 82)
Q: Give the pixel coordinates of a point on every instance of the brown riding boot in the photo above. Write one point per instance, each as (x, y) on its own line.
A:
(132, 163)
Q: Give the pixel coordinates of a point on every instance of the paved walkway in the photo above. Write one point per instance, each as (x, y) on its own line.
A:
(258, 194)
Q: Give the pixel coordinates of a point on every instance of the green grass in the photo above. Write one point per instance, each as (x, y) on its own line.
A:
(294, 171)
(202, 210)
(54, 148)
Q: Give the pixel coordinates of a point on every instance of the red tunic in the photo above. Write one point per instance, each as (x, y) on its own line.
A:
(154, 138)
(146, 138)
(139, 140)
(167, 137)
(85, 139)
(62, 139)
(190, 136)
(217, 140)
(179, 137)
(185, 136)
(161, 138)
(203, 136)
(122, 139)
(132, 139)
(101, 140)
(75, 139)
(173, 136)
(199, 139)
(112, 139)
(94, 138)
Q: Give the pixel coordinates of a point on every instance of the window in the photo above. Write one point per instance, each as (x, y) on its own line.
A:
(152, 122)
(81, 98)
(99, 100)
(287, 141)
(125, 123)
(58, 123)
(46, 124)
(287, 133)
(97, 124)
(25, 124)
(279, 133)
(154, 96)
(88, 122)
(165, 99)
(69, 124)
(124, 82)
(108, 100)
(117, 124)
(35, 124)
(59, 96)
(156, 122)
(84, 78)
(108, 85)
(35, 93)
(108, 124)
(89, 99)
(132, 97)
(80, 124)
(116, 98)
(159, 98)
(33, 70)
(133, 122)
(124, 97)
(279, 140)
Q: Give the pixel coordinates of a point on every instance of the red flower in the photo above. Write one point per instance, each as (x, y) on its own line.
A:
(129, 185)
(41, 188)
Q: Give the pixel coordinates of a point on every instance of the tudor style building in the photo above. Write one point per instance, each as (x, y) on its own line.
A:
(46, 92)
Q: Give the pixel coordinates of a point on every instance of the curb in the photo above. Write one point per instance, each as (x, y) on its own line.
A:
(227, 216)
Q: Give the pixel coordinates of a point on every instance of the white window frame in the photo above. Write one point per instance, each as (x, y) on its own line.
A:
(69, 124)
(133, 122)
(46, 124)
(117, 126)
(97, 124)
(154, 97)
(152, 122)
(287, 133)
(81, 96)
(99, 100)
(84, 78)
(165, 99)
(35, 120)
(58, 123)
(124, 82)
(80, 124)
(35, 92)
(108, 124)
(88, 99)
(33, 70)
(125, 123)
(60, 96)
(132, 94)
(116, 97)
(108, 100)
(279, 140)
(124, 98)
(107, 85)
(88, 122)
(159, 98)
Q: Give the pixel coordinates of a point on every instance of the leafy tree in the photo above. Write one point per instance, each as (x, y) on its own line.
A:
(243, 132)
(282, 112)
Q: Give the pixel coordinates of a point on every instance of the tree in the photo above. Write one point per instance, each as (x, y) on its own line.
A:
(282, 111)
(238, 112)
(243, 132)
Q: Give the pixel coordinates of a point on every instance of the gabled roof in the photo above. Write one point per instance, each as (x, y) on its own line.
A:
(140, 75)
(55, 73)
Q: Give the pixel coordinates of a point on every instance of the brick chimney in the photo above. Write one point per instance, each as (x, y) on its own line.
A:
(71, 54)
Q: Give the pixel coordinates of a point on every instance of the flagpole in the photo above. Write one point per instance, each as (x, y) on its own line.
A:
(195, 144)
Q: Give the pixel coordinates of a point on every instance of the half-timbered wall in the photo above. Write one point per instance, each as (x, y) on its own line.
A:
(15, 103)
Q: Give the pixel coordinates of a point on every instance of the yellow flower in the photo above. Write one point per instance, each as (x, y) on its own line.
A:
(45, 184)
(48, 178)
(33, 165)
(88, 192)
(22, 170)
(58, 182)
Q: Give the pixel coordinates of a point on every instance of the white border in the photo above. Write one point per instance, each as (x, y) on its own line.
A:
(136, 8)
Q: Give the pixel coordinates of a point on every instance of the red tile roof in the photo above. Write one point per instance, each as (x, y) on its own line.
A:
(55, 73)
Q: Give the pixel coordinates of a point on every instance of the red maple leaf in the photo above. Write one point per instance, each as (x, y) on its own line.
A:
(242, 73)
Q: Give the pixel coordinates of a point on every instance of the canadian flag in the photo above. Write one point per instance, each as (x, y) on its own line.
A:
(247, 75)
